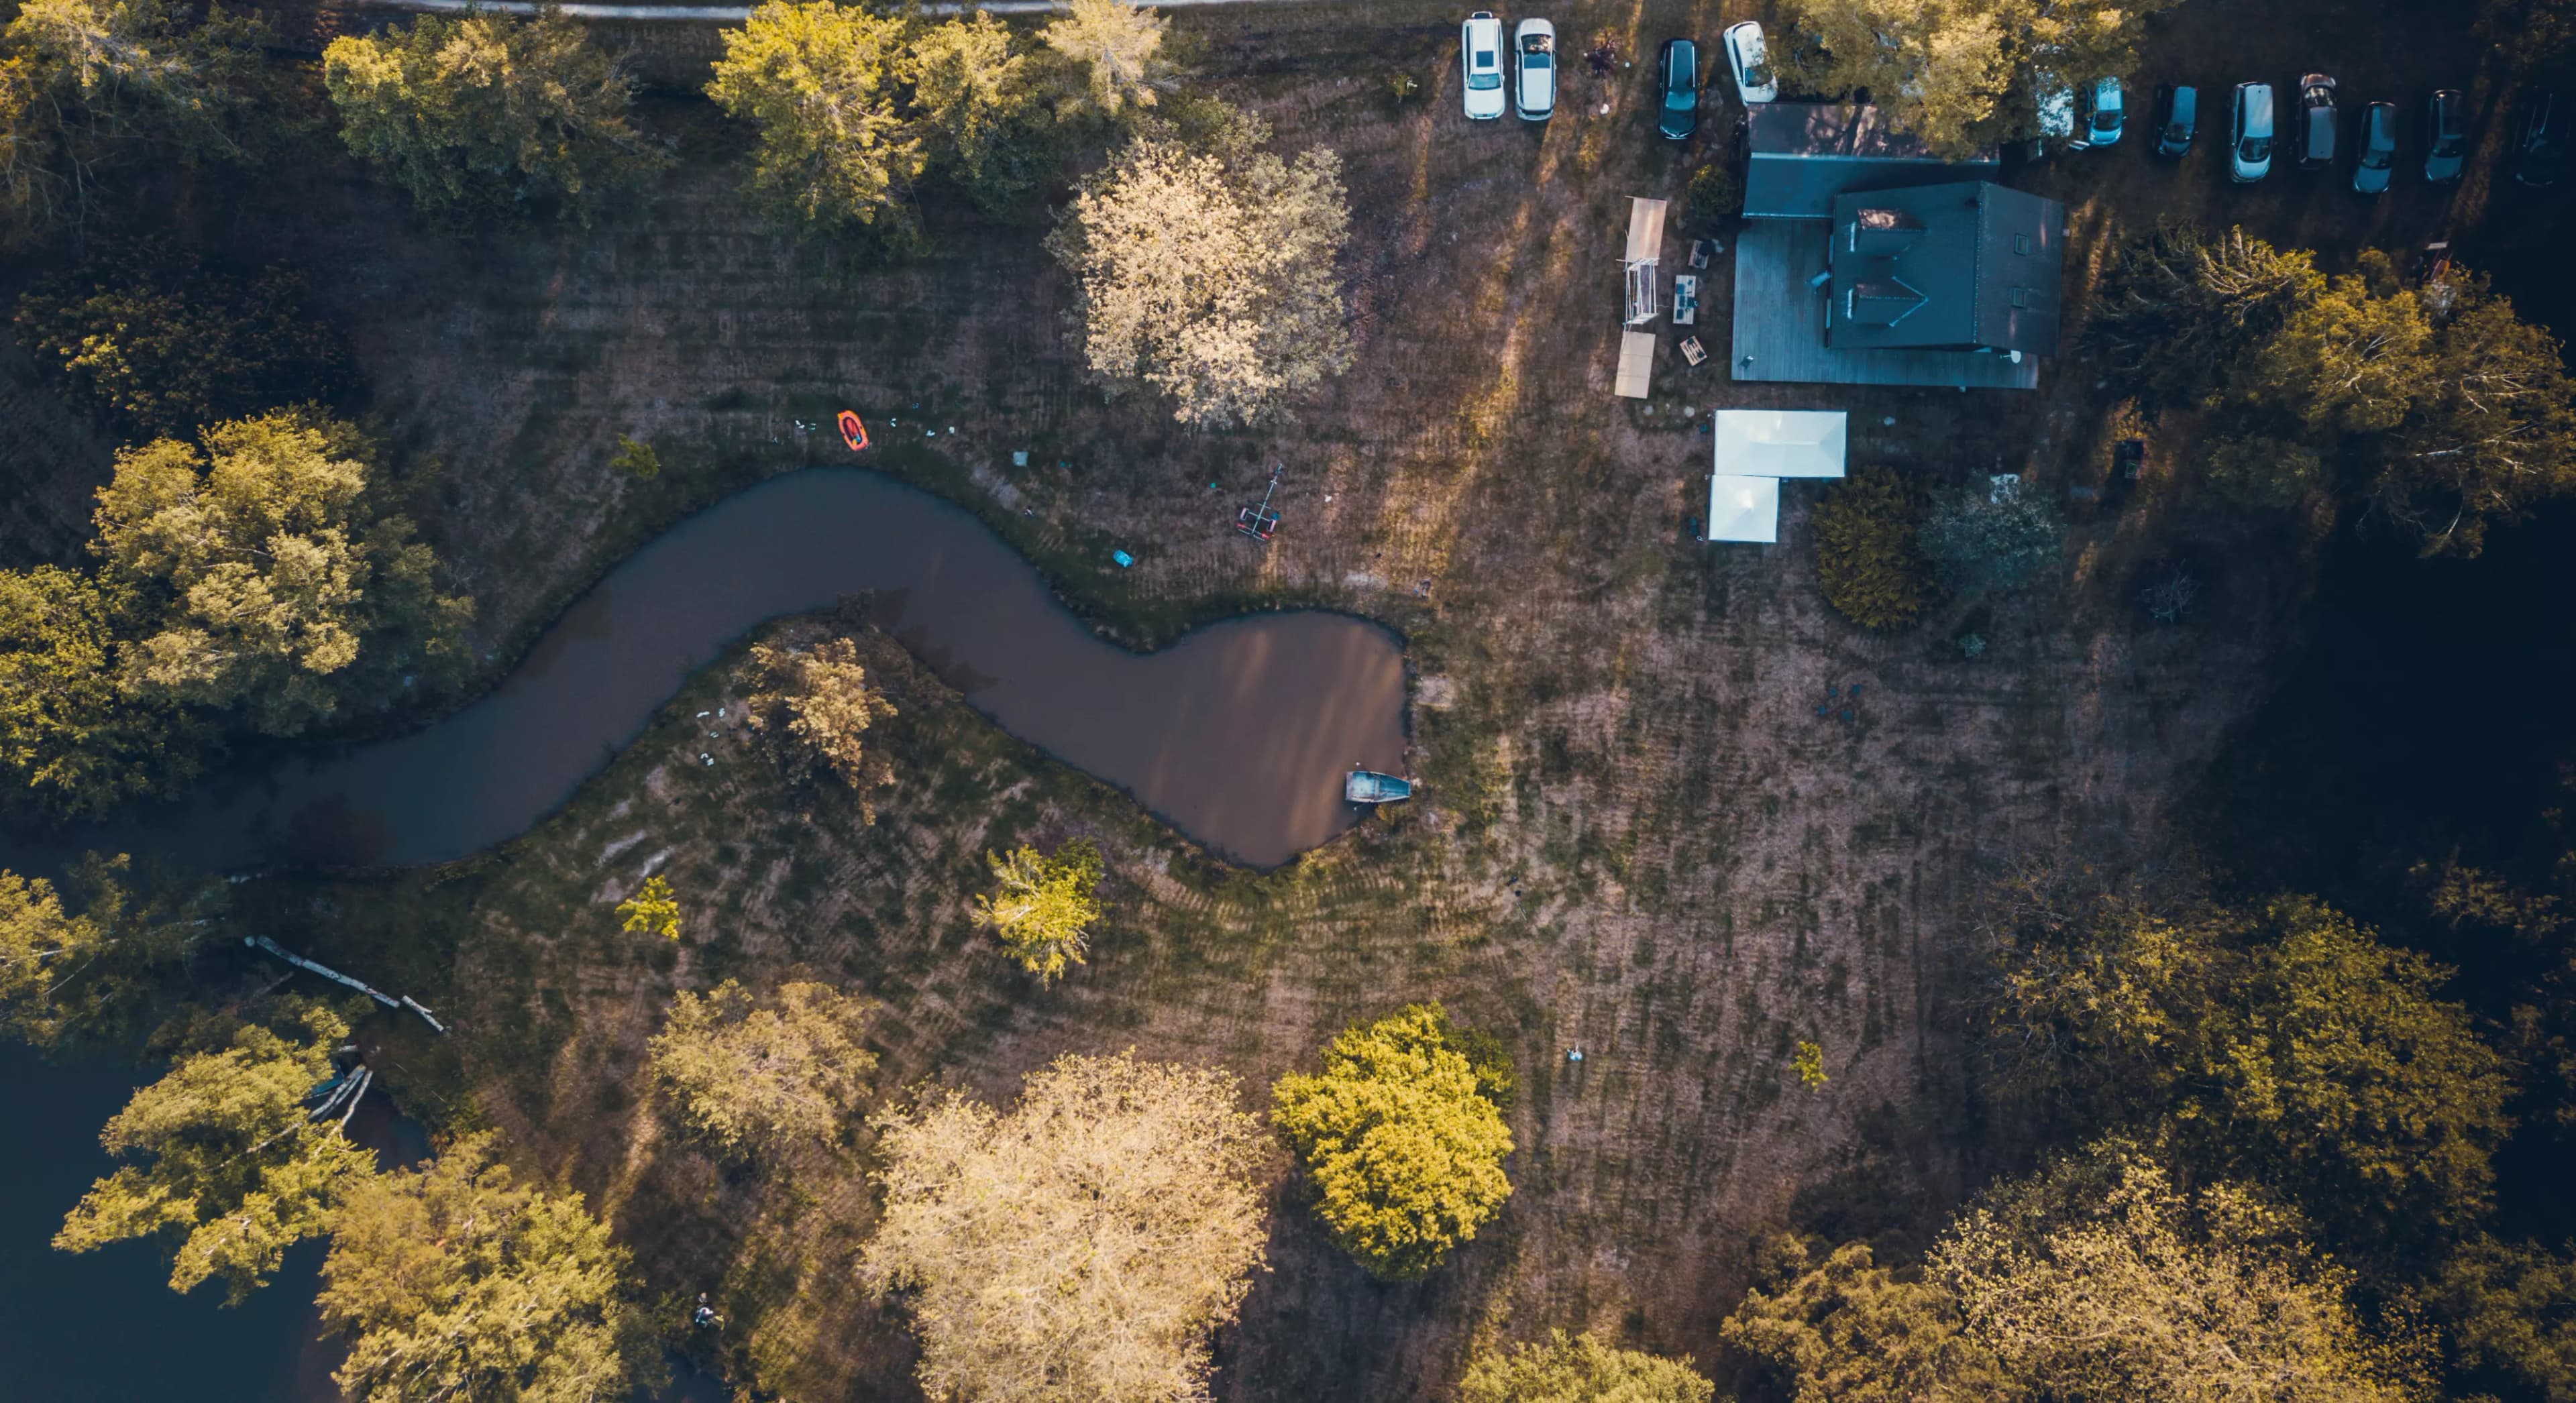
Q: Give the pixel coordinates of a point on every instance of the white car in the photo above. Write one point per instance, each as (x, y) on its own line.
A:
(1750, 59)
(1480, 50)
(1534, 65)
(2249, 134)
(2109, 113)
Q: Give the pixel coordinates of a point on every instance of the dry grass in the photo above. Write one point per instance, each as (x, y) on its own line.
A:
(1640, 838)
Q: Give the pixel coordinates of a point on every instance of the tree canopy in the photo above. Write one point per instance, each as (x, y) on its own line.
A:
(86, 969)
(1997, 537)
(817, 704)
(85, 82)
(162, 343)
(1043, 906)
(822, 82)
(1081, 1247)
(454, 1280)
(1962, 74)
(2094, 1281)
(981, 99)
(653, 909)
(1583, 1368)
(270, 578)
(2286, 1045)
(1119, 44)
(1209, 274)
(1402, 1141)
(485, 113)
(237, 1170)
(73, 741)
(747, 1073)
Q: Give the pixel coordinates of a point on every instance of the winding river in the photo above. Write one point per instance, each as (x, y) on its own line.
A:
(1238, 735)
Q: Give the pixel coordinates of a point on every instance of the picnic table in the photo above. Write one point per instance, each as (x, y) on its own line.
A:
(1686, 299)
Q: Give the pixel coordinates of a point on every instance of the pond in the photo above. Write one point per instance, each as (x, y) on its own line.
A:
(1238, 735)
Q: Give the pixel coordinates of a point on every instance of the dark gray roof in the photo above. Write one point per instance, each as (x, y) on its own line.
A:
(1800, 155)
(1981, 264)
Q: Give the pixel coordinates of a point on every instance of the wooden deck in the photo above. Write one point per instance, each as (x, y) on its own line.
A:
(1779, 324)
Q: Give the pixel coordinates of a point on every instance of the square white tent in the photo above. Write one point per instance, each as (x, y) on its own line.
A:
(1645, 251)
(1636, 364)
(1779, 442)
(1743, 508)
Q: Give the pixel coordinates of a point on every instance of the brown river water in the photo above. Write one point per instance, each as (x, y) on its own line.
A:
(1238, 735)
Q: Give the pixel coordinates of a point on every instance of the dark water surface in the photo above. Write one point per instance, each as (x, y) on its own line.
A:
(1238, 735)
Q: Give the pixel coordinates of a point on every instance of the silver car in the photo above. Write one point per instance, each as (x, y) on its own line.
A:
(1534, 69)
(2249, 134)
(1480, 52)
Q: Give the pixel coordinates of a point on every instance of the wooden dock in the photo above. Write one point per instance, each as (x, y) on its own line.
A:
(1779, 323)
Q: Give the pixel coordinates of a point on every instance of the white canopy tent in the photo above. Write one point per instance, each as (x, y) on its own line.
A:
(1743, 508)
(1780, 442)
(1755, 449)
(1636, 363)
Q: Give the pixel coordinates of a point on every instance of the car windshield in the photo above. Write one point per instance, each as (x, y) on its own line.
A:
(2179, 131)
(1488, 74)
(1757, 74)
(1534, 58)
(2256, 148)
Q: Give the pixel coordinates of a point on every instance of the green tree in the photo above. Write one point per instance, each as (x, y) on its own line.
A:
(1583, 1368)
(983, 102)
(1119, 44)
(817, 704)
(84, 83)
(455, 1281)
(1211, 275)
(1084, 1246)
(2179, 310)
(1848, 1330)
(2288, 1045)
(269, 577)
(636, 460)
(653, 909)
(1865, 556)
(86, 970)
(1044, 908)
(2349, 359)
(1990, 538)
(1403, 1146)
(747, 1074)
(2511, 1308)
(484, 113)
(2492, 430)
(162, 344)
(71, 739)
(2095, 1281)
(822, 82)
(1960, 74)
(238, 1169)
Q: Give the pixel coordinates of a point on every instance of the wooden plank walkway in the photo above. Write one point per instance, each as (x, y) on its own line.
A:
(1779, 323)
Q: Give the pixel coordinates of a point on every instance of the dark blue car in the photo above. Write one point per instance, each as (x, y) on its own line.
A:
(1680, 73)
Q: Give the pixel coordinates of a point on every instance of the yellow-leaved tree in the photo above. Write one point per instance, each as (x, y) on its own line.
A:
(748, 1073)
(1083, 1246)
(822, 81)
(1119, 44)
(1210, 274)
(1044, 908)
(1402, 1138)
(817, 704)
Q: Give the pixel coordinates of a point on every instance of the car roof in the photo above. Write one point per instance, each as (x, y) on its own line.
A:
(2186, 98)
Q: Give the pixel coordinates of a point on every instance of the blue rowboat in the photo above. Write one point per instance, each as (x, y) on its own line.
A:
(1370, 787)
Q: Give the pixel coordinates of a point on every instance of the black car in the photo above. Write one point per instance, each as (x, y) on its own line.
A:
(1679, 70)
(2446, 129)
(2177, 117)
(2375, 152)
(2315, 128)
(2540, 143)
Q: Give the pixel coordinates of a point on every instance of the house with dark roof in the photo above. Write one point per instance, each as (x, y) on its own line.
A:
(1799, 155)
(1970, 266)
(1866, 259)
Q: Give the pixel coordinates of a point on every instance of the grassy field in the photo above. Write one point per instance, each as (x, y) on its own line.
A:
(1641, 837)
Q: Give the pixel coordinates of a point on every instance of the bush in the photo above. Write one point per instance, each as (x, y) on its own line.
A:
(160, 344)
(1715, 197)
(2261, 471)
(1402, 1140)
(1865, 556)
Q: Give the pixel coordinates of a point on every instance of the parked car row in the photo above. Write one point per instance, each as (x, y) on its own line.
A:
(1531, 84)
(2316, 131)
